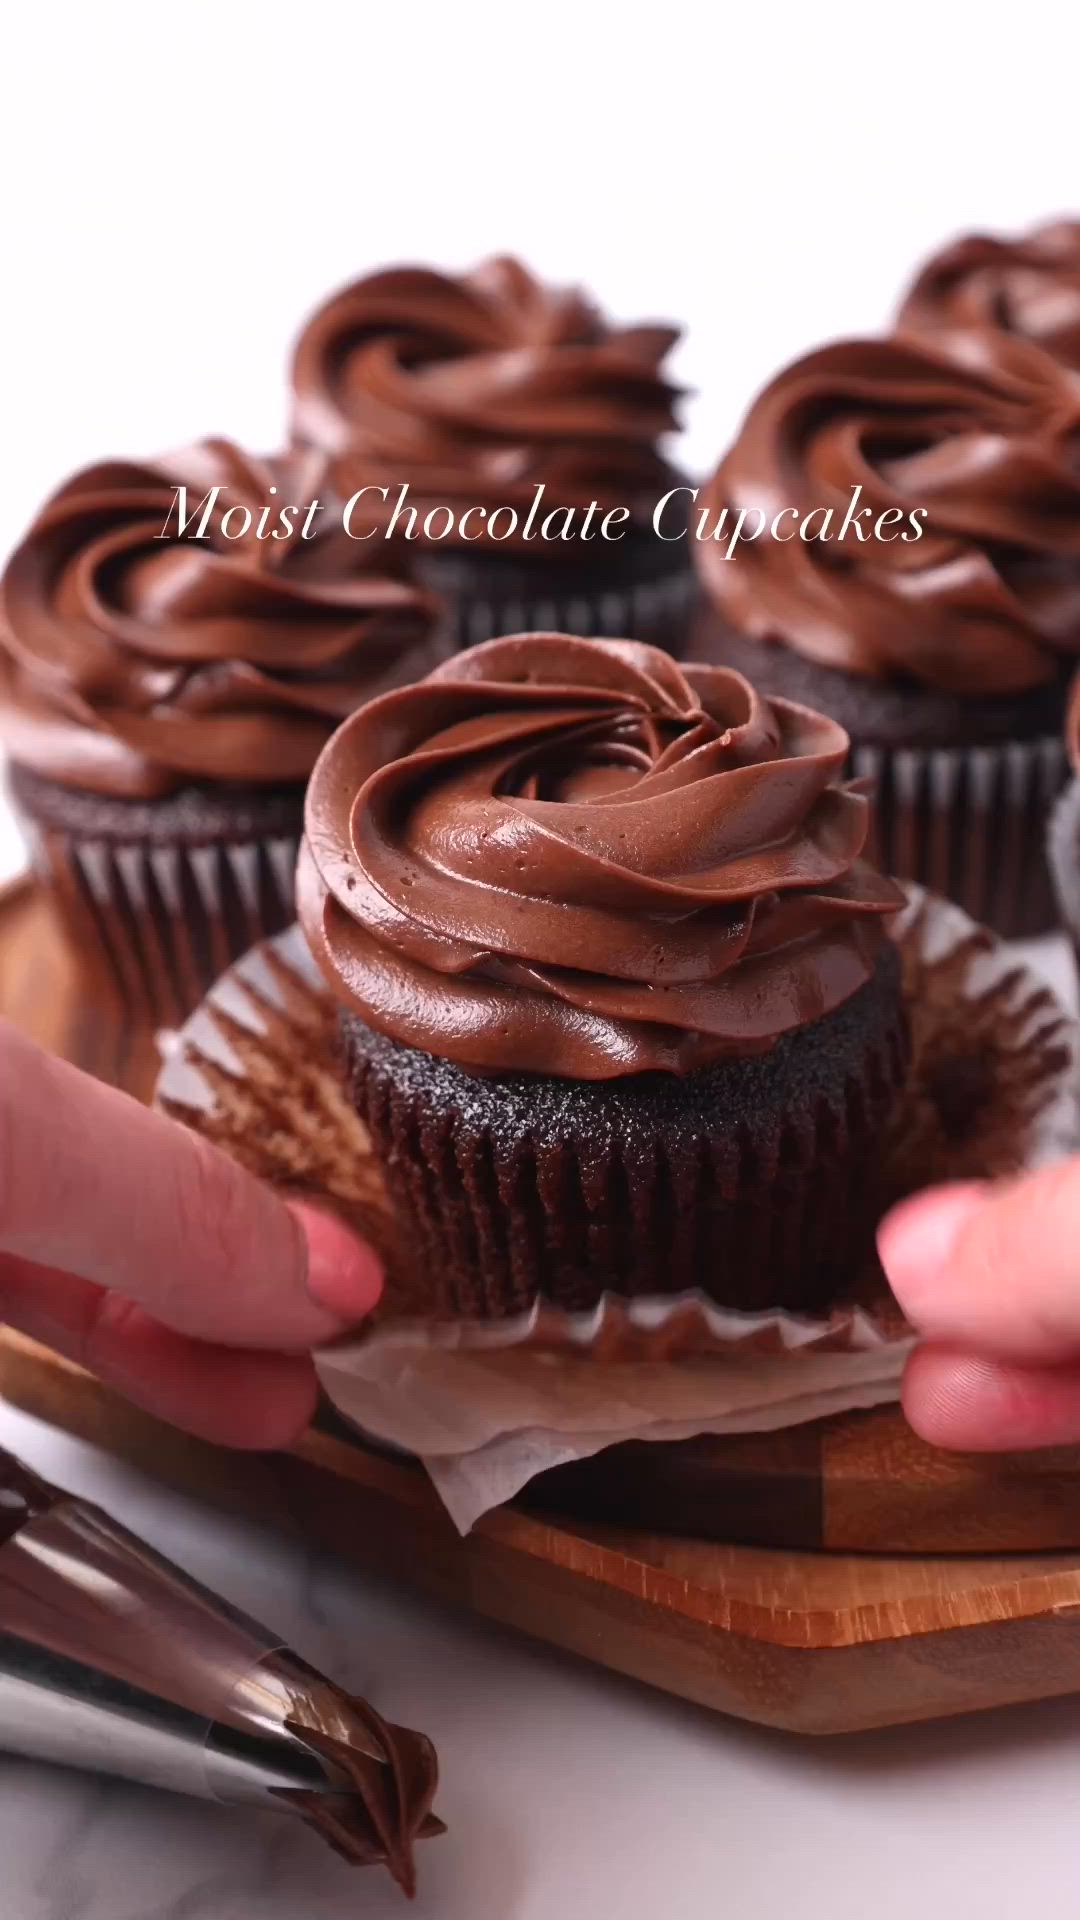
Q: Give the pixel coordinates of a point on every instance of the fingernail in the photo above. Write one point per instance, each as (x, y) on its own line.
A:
(917, 1242)
(344, 1274)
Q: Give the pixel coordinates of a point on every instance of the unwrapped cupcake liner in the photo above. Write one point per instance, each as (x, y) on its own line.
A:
(489, 1405)
(158, 925)
(969, 823)
(656, 611)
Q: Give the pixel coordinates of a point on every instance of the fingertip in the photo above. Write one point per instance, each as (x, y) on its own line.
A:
(967, 1403)
(950, 1399)
(259, 1401)
(344, 1273)
(917, 1243)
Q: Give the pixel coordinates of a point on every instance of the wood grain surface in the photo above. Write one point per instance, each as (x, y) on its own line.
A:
(810, 1642)
(918, 1609)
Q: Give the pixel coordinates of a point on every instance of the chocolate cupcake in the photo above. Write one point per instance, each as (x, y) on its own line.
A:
(618, 1004)
(498, 401)
(1028, 287)
(917, 577)
(164, 697)
(1064, 830)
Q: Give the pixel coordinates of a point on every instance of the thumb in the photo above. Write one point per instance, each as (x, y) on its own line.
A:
(992, 1269)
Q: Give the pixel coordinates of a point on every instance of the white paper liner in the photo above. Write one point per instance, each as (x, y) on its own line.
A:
(486, 1422)
(488, 1405)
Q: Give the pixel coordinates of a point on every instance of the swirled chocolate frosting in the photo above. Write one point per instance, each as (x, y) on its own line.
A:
(1028, 286)
(475, 388)
(577, 858)
(984, 440)
(132, 664)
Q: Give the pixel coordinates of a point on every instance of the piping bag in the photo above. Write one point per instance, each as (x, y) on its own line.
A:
(112, 1659)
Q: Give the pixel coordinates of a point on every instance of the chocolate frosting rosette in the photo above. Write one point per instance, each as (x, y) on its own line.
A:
(945, 653)
(476, 391)
(1027, 286)
(164, 695)
(616, 994)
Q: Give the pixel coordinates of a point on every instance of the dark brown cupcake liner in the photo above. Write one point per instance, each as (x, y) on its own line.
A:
(154, 926)
(969, 823)
(991, 1089)
(656, 611)
(530, 1187)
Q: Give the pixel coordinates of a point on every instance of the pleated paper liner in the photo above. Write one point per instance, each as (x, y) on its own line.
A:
(256, 1069)
(1063, 849)
(654, 610)
(487, 1406)
(158, 925)
(970, 823)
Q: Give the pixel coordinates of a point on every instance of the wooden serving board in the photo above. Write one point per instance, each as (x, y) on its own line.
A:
(864, 1635)
(810, 1642)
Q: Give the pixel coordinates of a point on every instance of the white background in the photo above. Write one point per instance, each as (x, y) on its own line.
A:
(178, 185)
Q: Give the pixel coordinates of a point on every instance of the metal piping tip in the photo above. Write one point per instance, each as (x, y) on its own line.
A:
(112, 1659)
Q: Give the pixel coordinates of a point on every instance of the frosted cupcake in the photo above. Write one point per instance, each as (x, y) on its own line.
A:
(476, 390)
(945, 654)
(163, 700)
(619, 1007)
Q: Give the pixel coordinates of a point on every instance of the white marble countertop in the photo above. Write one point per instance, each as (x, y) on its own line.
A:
(569, 1794)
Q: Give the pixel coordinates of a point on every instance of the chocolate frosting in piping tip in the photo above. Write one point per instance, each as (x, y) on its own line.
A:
(390, 1805)
(475, 388)
(133, 665)
(578, 858)
(113, 1659)
(978, 433)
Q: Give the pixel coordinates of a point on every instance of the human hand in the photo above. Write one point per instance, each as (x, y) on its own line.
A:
(989, 1275)
(137, 1249)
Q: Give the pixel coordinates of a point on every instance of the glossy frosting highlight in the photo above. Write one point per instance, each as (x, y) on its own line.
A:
(476, 388)
(133, 665)
(577, 858)
(1028, 286)
(986, 438)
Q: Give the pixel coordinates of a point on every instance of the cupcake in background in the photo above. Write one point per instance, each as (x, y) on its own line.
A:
(1064, 830)
(1028, 287)
(619, 1006)
(946, 656)
(163, 700)
(475, 390)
